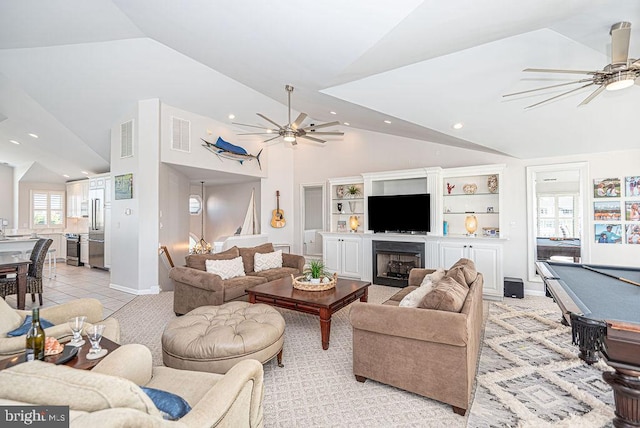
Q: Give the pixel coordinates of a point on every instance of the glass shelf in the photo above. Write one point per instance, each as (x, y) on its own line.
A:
(348, 199)
(472, 194)
(474, 212)
(353, 213)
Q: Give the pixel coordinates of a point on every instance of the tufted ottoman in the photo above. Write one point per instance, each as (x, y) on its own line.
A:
(214, 338)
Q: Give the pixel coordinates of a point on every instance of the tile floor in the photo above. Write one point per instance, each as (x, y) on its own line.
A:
(73, 282)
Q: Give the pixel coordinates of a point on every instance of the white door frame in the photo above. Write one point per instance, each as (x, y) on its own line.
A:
(304, 186)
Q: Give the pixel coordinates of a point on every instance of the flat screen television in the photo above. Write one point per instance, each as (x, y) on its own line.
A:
(400, 213)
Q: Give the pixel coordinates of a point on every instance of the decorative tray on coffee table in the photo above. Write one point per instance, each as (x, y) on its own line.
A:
(301, 283)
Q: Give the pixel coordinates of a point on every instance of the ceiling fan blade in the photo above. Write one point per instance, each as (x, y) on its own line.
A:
(554, 70)
(253, 126)
(317, 140)
(270, 139)
(593, 95)
(561, 95)
(549, 87)
(269, 120)
(322, 125)
(301, 117)
(620, 34)
(326, 133)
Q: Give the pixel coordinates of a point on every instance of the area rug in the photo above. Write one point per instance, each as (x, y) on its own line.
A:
(530, 375)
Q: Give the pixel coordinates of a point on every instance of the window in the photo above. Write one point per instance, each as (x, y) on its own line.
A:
(195, 204)
(47, 209)
(557, 215)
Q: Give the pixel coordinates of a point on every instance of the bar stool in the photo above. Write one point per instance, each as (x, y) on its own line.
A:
(51, 255)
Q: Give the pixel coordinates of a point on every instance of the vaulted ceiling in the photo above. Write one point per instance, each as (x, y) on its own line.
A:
(70, 69)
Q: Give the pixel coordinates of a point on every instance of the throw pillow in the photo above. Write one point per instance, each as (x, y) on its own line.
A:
(248, 253)
(197, 261)
(433, 277)
(26, 325)
(264, 261)
(226, 268)
(172, 406)
(9, 318)
(468, 269)
(447, 295)
(413, 299)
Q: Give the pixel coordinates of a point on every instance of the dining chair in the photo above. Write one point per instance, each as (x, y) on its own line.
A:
(9, 286)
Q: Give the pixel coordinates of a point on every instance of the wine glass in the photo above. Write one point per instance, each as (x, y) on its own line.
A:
(94, 333)
(76, 324)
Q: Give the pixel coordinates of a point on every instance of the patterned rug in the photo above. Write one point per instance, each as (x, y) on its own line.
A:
(529, 374)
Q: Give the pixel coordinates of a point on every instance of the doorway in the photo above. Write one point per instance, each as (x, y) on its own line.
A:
(557, 196)
(312, 201)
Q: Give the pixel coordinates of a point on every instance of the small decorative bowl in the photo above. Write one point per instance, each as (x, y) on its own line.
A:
(469, 189)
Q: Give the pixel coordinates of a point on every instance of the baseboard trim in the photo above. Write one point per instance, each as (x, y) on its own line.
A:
(534, 293)
(152, 290)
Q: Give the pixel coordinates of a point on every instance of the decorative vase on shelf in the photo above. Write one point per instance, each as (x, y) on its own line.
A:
(470, 188)
(492, 183)
(471, 224)
(352, 206)
(340, 207)
(340, 191)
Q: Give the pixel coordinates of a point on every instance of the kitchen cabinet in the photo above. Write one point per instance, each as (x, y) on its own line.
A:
(59, 244)
(78, 199)
(487, 257)
(84, 248)
(342, 253)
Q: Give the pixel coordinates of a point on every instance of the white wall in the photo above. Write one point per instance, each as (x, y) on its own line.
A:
(6, 194)
(227, 206)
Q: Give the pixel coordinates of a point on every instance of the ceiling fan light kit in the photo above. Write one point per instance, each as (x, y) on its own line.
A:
(292, 130)
(622, 73)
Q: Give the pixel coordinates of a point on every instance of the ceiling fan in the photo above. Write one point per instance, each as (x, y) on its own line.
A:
(292, 130)
(621, 73)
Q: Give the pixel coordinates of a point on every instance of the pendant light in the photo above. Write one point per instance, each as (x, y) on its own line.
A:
(202, 246)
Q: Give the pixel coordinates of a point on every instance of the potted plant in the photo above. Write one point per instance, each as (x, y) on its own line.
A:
(315, 271)
(353, 191)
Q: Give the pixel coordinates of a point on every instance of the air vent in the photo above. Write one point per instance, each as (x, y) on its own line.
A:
(126, 139)
(181, 133)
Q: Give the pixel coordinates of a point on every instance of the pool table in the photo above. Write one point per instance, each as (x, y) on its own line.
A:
(604, 313)
(568, 247)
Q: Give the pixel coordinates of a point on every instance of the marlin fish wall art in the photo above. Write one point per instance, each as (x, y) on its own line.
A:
(227, 150)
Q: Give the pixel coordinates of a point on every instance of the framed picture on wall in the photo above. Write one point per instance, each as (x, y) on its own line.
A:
(123, 186)
(608, 233)
(607, 211)
(606, 188)
(632, 210)
(633, 234)
(632, 186)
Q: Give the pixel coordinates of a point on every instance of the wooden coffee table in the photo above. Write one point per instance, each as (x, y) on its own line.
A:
(280, 293)
(78, 362)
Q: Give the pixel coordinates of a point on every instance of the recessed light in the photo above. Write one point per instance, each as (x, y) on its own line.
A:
(14, 142)
(33, 135)
(65, 175)
(232, 116)
(332, 112)
(387, 121)
(84, 172)
(347, 123)
(458, 125)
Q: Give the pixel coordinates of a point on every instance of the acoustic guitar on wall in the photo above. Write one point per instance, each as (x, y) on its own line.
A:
(277, 218)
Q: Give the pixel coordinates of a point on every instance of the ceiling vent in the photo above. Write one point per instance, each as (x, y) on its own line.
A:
(126, 139)
(181, 134)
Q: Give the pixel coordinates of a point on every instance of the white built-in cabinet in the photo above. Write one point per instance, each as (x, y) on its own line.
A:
(84, 248)
(344, 205)
(78, 199)
(342, 254)
(487, 257)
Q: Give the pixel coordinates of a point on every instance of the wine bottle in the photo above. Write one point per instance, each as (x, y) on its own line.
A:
(35, 338)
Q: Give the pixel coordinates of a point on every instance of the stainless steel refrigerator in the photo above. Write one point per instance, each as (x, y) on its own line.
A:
(96, 227)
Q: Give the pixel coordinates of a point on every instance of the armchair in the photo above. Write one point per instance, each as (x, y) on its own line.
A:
(108, 395)
(91, 308)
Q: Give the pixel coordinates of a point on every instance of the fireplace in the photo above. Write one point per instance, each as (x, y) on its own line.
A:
(392, 261)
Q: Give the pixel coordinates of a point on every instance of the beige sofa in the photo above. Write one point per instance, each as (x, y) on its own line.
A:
(430, 352)
(108, 395)
(195, 287)
(11, 319)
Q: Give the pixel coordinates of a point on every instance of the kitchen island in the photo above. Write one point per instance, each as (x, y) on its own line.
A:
(14, 244)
